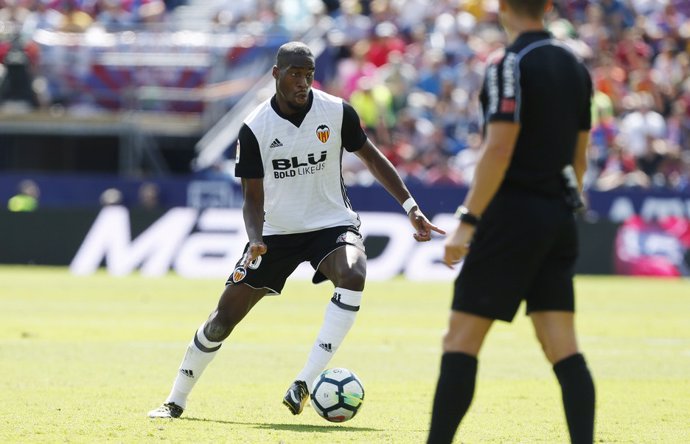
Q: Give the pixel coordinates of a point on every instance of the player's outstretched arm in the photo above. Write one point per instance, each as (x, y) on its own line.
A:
(382, 169)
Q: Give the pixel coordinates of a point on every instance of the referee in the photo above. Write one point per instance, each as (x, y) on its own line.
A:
(516, 227)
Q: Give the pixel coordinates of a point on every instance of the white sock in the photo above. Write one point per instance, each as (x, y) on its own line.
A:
(199, 353)
(340, 315)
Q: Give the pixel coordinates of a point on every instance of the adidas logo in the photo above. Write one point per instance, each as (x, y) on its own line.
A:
(188, 373)
(326, 347)
(276, 143)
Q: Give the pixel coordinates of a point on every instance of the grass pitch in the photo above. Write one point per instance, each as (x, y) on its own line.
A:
(83, 360)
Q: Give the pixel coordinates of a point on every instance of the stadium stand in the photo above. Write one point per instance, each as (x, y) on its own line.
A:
(154, 84)
(107, 104)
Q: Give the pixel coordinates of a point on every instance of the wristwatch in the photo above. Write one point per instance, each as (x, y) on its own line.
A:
(464, 216)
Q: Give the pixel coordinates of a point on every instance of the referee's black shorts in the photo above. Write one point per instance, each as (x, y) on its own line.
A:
(287, 251)
(524, 249)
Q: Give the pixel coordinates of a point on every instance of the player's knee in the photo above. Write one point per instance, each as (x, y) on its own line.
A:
(217, 330)
(456, 341)
(555, 355)
(554, 351)
(450, 342)
(547, 351)
(351, 278)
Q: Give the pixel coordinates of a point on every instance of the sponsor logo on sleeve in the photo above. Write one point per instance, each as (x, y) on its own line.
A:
(508, 105)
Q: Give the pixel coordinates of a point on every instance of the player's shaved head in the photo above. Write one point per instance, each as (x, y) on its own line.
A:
(294, 74)
(531, 8)
(288, 51)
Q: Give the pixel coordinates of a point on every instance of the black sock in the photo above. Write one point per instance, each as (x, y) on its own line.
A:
(577, 388)
(454, 393)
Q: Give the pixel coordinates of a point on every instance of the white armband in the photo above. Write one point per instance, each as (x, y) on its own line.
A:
(409, 204)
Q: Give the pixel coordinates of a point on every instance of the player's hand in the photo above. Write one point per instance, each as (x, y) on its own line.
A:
(423, 226)
(458, 245)
(255, 250)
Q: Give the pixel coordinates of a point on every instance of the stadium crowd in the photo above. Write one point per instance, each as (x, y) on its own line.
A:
(413, 71)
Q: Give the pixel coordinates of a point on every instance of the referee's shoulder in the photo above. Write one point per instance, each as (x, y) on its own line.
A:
(496, 57)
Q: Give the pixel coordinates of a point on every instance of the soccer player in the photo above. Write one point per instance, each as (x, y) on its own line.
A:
(296, 210)
(516, 226)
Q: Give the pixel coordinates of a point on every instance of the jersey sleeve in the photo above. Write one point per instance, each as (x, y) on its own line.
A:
(501, 87)
(248, 163)
(353, 135)
(586, 114)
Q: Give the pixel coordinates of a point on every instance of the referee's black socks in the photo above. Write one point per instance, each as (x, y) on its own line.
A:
(454, 393)
(577, 389)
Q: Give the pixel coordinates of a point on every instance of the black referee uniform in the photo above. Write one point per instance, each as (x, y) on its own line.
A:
(523, 239)
(526, 244)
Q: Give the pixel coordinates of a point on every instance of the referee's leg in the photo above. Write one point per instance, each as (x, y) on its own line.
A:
(455, 387)
(556, 333)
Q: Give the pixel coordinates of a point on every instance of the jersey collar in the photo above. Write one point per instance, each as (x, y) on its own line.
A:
(533, 35)
(297, 118)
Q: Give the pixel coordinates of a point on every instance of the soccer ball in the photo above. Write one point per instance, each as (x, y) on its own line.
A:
(337, 394)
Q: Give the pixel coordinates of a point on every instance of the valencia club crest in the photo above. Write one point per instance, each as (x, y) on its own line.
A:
(323, 132)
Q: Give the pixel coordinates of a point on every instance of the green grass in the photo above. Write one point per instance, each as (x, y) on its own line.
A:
(83, 360)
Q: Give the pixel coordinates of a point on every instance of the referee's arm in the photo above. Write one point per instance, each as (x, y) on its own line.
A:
(580, 160)
(494, 158)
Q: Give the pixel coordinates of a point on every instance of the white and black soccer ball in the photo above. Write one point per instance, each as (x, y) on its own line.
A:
(337, 394)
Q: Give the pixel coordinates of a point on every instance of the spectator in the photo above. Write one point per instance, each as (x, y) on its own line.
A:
(617, 15)
(172, 4)
(384, 41)
(149, 196)
(466, 160)
(399, 77)
(610, 78)
(16, 86)
(111, 196)
(642, 124)
(651, 161)
(27, 197)
(353, 68)
(73, 18)
(594, 31)
(602, 135)
(374, 104)
(678, 126)
(621, 170)
(351, 25)
(442, 173)
(13, 15)
(114, 17)
(433, 73)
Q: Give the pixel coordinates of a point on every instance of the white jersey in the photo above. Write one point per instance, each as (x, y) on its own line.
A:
(302, 175)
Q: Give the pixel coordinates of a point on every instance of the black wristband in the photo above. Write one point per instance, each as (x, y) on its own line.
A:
(464, 215)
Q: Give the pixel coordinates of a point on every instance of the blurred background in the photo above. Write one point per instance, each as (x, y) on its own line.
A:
(136, 104)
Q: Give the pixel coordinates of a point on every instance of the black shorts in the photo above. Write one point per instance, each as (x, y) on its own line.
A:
(287, 251)
(525, 248)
